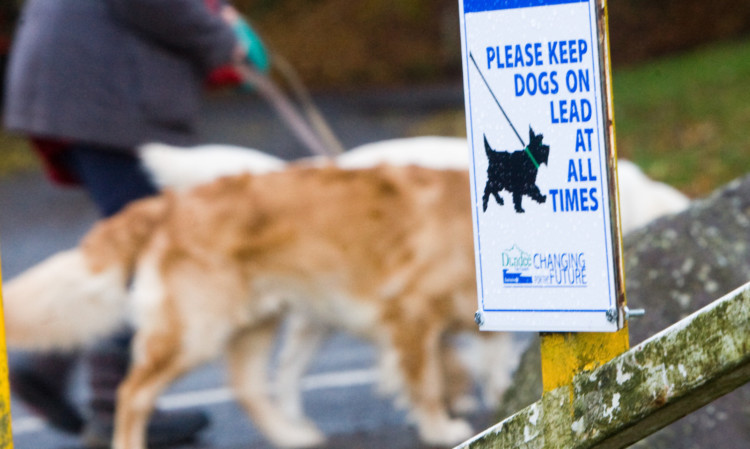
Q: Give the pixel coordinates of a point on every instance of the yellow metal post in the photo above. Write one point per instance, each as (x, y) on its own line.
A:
(6, 436)
(566, 354)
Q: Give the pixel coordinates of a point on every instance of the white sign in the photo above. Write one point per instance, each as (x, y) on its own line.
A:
(538, 131)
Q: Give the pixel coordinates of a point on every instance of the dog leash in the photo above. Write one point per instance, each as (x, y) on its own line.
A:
(526, 147)
(496, 100)
(314, 116)
(312, 131)
(309, 126)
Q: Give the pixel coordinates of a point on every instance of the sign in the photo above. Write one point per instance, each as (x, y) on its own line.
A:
(539, 125)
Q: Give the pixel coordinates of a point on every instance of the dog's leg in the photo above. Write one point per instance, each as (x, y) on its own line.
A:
(173, 336)
(500, 355)
(158, 360)
(498, 198)
(459, 381)
(248, 357)
(486, 196)
(536, 194)
(491, 189)
(517, 197)
(302, 340)
(419, 349)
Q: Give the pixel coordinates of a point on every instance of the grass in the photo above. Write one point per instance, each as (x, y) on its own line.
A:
(15, 155)
(685, 119)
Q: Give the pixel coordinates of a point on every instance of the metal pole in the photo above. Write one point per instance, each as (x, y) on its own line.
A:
(6, 435)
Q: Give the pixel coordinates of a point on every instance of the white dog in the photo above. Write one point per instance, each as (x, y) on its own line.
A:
(641, 200)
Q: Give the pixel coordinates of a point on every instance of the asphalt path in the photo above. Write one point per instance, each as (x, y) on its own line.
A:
(38, 219)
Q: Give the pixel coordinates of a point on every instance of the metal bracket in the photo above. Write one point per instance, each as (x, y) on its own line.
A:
(479, 317)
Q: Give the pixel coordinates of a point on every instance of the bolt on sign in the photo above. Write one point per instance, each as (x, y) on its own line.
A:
(543, 181)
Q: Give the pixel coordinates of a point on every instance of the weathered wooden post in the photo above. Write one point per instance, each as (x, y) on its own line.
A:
(546, 219)
(662, 379)
(6, 436)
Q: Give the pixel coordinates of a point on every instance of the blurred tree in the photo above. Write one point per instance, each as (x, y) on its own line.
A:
(645, 29)
(346, 43)
(335, 43)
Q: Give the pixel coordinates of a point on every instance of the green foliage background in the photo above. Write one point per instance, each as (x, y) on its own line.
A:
(358, 42)
(686, 118)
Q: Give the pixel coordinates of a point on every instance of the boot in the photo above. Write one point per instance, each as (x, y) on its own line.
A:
(41, 382)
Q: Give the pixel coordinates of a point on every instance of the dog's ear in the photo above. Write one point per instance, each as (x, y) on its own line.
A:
(534, 139)
(487, 146)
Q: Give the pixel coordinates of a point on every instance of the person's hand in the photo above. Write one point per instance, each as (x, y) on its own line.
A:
(250, 48)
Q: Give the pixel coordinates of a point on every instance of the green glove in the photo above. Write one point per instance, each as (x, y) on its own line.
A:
(256, 52)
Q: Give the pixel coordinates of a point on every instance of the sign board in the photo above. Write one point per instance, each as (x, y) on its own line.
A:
(539, 122)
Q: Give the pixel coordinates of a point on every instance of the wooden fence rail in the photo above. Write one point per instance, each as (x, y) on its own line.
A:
(675, 372)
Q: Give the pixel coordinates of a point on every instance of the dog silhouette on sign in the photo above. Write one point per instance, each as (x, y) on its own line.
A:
(515, 172)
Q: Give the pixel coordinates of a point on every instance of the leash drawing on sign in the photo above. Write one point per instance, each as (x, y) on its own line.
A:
(471, 55)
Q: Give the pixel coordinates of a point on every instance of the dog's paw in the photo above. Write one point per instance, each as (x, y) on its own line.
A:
(304, 435)
(464, 404)
(449, 433)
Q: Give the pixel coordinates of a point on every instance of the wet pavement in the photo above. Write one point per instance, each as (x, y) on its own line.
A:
(38, 219)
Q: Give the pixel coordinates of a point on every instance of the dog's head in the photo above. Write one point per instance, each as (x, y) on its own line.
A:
(537, 148)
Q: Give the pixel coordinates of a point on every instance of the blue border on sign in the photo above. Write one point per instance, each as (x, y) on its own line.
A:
(548, 310)
(494, 5)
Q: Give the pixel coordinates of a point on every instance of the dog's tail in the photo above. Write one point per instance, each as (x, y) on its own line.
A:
(492, 155)
(62, 303)
(76, 296)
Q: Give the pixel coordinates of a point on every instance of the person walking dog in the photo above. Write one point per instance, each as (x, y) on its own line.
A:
(88, 82)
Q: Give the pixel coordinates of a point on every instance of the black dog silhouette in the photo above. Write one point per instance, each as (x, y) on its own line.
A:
(515, 172)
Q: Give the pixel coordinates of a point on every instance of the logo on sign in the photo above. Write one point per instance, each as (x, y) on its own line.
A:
(524, 269)
(516, 263)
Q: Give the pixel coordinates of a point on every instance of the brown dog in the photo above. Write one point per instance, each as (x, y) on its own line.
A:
(385, 253)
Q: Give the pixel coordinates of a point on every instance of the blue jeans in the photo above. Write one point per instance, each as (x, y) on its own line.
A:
(112, 177)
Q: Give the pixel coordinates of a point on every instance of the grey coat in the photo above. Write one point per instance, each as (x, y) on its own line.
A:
(113, 72)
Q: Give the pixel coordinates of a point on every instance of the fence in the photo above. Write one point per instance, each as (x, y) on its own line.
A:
(675, 372)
